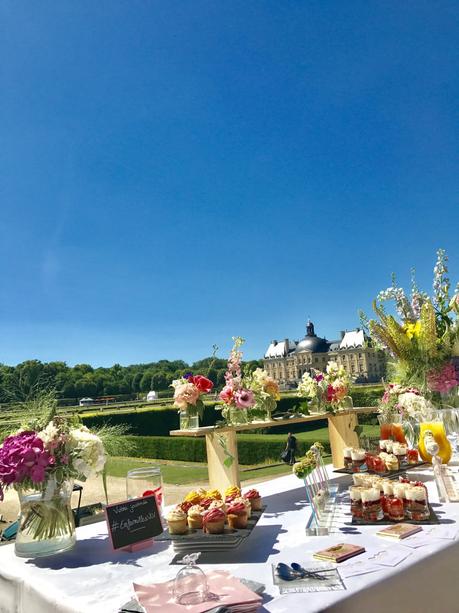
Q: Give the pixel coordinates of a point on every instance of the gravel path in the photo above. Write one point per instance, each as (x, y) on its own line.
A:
(93, 492)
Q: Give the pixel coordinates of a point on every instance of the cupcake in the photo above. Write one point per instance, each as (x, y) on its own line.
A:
(254, 498)
(206, 502)
(218, 504)
(195, 516)
(176, 521)
(215, 494)
(237, 515)
(213, 521)
(246, 503)
(193, 497)
(232, 492)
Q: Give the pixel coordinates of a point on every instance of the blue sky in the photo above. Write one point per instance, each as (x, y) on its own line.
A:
(176, 173)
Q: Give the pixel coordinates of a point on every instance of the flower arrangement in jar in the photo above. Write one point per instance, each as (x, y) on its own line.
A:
(187, 398)
(237, 398)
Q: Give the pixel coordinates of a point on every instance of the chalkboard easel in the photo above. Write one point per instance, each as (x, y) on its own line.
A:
(132, 524)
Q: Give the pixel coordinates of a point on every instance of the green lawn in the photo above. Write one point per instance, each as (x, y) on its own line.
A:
(176, 472)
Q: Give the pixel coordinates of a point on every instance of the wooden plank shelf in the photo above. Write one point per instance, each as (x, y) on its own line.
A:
(221, 442)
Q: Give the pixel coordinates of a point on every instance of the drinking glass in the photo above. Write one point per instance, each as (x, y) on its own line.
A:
(450, 419)
(145, 482)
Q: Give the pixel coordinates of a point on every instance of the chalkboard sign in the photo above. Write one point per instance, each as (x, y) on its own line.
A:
(133, 521)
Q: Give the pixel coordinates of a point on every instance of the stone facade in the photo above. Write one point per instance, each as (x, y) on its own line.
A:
(286, 361)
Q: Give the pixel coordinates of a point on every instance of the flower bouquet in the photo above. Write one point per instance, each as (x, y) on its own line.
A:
(423, 338)
(329, 391)
(236, 396)
(187, 398)
(40, 466)
(266, 394)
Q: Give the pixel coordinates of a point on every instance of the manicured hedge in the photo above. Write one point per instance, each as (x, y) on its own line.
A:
(251, 450)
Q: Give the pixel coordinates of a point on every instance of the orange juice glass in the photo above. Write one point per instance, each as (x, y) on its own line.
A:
(438, 430)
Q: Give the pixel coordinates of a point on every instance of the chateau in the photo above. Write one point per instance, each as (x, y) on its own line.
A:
(286, 361)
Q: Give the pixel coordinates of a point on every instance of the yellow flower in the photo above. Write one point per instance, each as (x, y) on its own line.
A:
(413, 330)
(272, 388)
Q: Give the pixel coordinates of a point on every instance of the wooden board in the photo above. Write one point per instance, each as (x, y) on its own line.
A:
(341, 432)
(222, 460)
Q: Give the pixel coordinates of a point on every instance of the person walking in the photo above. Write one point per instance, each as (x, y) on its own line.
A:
(290, 449)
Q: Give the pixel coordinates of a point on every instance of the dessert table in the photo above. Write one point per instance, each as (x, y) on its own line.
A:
(93, 578)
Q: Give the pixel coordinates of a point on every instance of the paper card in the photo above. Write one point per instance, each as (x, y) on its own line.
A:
(389, 557)
(416, 541)
(339, 553)
(358, 567)
(443, 532)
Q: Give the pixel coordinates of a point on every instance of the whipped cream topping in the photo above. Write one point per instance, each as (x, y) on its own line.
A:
(195, 511)
(399, 449)
(370, 495)
(399, 490)
(355, 492)
(415, 493)
(358, 454)
(176, 515)
(347, 452)
(388, 488)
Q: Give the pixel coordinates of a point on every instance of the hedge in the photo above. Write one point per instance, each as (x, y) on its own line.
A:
(159, 421)
(187, 449)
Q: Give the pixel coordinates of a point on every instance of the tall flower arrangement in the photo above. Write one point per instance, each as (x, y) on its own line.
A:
(423, 338)
(235, 394)
(329, 390)
(266, 393)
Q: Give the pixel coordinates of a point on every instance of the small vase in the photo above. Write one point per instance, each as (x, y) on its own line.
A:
(189, 419)
(237, 416)
(46, 522)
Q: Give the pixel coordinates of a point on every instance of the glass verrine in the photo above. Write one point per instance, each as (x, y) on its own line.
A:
(145, 481)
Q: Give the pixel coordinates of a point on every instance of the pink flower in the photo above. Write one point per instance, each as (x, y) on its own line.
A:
(244, 399)
(186, 394)
(336, 392)
(227, 394)
(442, 380)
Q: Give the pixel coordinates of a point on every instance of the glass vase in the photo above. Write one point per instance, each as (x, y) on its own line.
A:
(237, 416)
(189, 419)
(46, 522)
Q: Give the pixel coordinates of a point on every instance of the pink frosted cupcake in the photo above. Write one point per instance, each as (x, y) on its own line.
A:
(254, 498)
(213, 521)
(237, 515)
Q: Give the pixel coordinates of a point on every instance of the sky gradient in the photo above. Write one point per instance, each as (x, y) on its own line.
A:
(177, 173)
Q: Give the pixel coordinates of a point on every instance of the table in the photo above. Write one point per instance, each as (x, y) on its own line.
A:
(221, 442)
(92, 578)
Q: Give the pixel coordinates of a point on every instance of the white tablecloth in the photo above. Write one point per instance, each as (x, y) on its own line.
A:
(93, 578)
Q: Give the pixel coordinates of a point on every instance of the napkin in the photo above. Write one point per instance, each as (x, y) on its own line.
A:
(231, 592)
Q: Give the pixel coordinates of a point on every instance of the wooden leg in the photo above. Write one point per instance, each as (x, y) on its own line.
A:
(221, 448)
(341, 434)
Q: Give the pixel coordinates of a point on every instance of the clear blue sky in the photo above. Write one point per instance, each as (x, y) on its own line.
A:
(176, 173)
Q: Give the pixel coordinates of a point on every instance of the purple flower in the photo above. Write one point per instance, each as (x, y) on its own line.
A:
(244, 399)
(23, 456)
(188, 375)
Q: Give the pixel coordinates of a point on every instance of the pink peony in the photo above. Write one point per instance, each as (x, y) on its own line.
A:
(23, 456)
(244, 399)
(227, 394)
(442, 380)
(185, 394)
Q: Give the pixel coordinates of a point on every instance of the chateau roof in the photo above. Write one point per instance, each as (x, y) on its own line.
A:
(280, 349)
(353, 339)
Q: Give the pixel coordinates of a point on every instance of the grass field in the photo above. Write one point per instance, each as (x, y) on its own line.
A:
(187, 472)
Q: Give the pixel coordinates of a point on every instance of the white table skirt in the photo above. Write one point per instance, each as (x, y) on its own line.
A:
(93, 578)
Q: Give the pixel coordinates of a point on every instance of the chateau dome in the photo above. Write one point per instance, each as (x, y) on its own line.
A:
(312, 342)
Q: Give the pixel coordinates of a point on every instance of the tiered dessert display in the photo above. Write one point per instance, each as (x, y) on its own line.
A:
(213, 521)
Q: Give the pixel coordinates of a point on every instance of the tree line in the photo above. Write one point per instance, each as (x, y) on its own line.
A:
(21, 381)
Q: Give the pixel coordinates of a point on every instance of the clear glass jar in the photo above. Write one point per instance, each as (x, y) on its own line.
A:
(190, 585)
(189, 418)
(237, 416)
(46, 521)
(145, 482)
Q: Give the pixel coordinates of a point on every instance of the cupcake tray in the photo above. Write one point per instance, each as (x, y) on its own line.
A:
(198, 540)
(433, 519)
(388, 473)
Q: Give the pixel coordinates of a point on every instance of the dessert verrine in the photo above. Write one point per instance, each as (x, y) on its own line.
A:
(417, 507)
(355, 493)
(358, 458)
(388, 494)
(347, 451)
(412, 456)
(371, 504)
(400, 450)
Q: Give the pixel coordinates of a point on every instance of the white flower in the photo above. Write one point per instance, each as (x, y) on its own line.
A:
(88, 454)
(308, 387)
(49, 433)
(414, 405)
